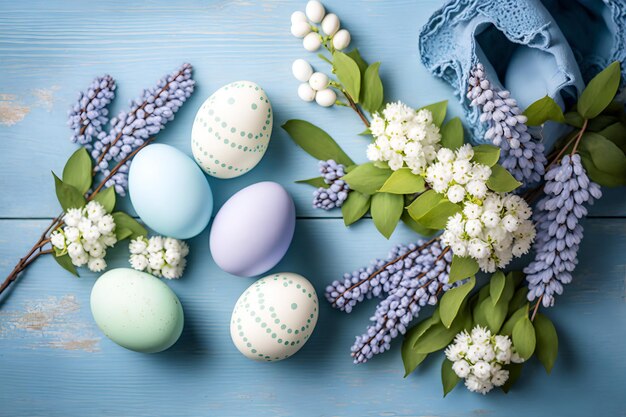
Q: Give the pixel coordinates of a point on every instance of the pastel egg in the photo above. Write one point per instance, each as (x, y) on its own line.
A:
(253, 230)
(274, 317)
(136, 310)
(169, 192)
(232, 130)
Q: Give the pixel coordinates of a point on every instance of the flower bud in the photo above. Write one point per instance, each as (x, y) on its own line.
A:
(298, 17)
(330, 24)
(315, 11)
(312, 42)
(341, 40)
(305, 92)
(318, 81)
(326, 97)
(301, 70)
(300, 29)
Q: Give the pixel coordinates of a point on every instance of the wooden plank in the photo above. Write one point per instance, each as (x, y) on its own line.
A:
(55, 362)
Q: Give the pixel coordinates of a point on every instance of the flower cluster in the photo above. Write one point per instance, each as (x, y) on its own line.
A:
(478, 357)
(559, 232)
(304, 25)
(404, 136)
(411, 277)
(90, 113)
(314, 84)
(159, 256)
(337, 192)
(88, 231)
(492, 231)
(456, 176)
(129, 130)
(521, 155)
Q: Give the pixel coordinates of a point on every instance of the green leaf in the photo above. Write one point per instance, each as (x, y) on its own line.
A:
(574, 119)
(600, 91)
(604, 154)
(77, 171)
(348, 73)
(360, 62)
(486, 154)
(501, 180)
(316, 142)
(106, 197)
(415, 226)
(547, 341)
(524, 337)
(438, 110)
(449, 378)
(355, 207)
(68, 196)
(316, 182)
(507, 329)
(494, 313)
(366, 132)
(518, 300)
(598, 175)
(451, 301)
(66, 262)
(601, 122)
(496, 286)
(438, 216)
(386, 211)
(381, 165)
(126, 226)
(366, 178)
(452, 134)
(403, 181)
(372, 94)
(424, 203)
(461, 268)
(410, 358)
(543, 110)
(616, 133)
(435, 338)
(515, 371)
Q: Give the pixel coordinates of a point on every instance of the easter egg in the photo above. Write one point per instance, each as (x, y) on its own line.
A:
(232, 130)
(274, 317)
(253, 230)
(169, 192)
(136, 310)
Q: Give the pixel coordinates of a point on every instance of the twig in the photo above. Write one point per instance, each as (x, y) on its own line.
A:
(357, 109)
(536, 308)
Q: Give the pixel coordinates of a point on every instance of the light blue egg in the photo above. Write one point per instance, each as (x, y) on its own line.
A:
(169, 192)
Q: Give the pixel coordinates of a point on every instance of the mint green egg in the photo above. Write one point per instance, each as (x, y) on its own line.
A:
(136, 310)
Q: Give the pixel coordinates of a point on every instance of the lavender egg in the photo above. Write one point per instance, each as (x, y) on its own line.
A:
(253, 230)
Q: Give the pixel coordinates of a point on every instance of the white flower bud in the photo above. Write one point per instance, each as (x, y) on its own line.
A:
(298, 17)
(301, 70)
(326, 97)
(300, 29)
(312, 42)
(341, 40)
(305, 92)
(318, 81)
(330, 24)
(315, 11)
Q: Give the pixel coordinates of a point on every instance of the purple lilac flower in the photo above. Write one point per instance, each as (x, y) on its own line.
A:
(146, 117)
(90, 114)
(411, 277)
(559, 232)
(337, 192)
(521, 155)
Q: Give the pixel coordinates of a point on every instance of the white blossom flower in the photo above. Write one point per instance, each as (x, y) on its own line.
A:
(159, 256)
(106, 224)
(97, 264)
(155, 244)
(138, 245)
(72, 217)
(94, 211)
(461, 368)
(91, 234)
(138, 261)
(57, 238)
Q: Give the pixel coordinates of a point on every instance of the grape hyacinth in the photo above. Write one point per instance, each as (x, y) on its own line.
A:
(337, 192)
(559, 232)
(90, 113)
(411, 277)
(521, 155)
(146, 117)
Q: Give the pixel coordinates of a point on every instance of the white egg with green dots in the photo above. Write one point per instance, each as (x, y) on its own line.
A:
(232, 130)
(274, 317)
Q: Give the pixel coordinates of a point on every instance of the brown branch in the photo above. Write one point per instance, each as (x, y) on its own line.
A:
(356, 108)
(536, 308)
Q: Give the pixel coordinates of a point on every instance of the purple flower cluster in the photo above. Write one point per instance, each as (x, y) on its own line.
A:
(337, 192)
(90, 114)
(130, 129)
(411, 277)
(559, 232)
(521, 155)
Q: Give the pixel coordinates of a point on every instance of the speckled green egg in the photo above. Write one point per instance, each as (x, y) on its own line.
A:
(136, 310)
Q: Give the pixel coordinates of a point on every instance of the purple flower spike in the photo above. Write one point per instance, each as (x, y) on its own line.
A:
(337, 192)
(90, 114)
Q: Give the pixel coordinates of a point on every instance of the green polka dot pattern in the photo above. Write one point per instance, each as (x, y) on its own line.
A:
(232, 130)
(274, 317)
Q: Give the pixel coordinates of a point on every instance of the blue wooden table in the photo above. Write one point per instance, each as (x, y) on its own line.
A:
(53, 359)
